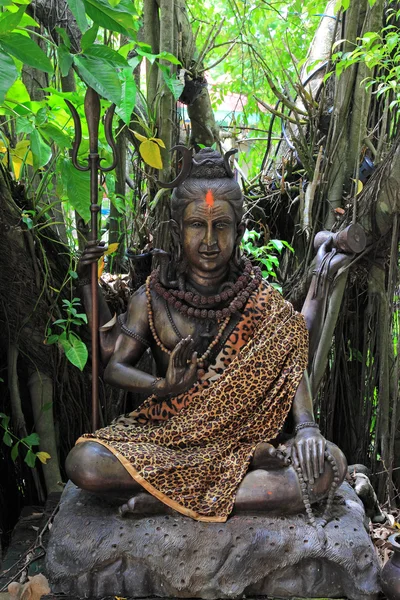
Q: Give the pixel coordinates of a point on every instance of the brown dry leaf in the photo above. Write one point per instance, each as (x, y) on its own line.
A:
(36, 587)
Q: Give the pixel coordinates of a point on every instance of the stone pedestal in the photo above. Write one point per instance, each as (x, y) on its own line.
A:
(94, 552)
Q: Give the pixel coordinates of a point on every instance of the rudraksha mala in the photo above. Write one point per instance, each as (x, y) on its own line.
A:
(319, 525)
(202, 360)
(194, 305)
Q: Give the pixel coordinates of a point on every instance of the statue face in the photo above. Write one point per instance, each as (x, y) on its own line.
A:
(209, 233)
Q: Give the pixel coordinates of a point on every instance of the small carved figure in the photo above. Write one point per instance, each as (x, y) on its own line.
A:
(231, 357)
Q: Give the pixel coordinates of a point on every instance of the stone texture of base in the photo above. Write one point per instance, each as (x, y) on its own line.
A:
(93, 552)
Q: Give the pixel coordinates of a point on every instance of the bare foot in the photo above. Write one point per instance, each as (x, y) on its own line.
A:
(143, 504)
(269, 458)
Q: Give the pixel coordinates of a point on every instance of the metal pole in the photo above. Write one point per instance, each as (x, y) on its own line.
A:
(92, 113)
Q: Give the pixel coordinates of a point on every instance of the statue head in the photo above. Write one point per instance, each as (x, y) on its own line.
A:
(206, 210)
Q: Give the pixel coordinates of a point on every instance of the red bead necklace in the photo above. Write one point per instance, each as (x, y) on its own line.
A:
(190, 304)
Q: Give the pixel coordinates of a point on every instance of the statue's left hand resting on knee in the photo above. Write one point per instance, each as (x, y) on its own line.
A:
(231, 359)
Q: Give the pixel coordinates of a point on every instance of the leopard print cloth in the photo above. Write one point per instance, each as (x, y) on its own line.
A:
(193, 451)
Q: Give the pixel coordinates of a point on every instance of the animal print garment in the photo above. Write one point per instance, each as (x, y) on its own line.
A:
(193, 452)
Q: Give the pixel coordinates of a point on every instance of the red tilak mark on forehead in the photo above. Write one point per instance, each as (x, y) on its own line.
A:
(210, 198)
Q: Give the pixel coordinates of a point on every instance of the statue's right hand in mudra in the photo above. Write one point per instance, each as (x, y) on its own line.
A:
(182, 369)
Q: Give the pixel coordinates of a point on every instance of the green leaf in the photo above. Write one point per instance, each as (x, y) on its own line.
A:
(14, 452)
(52, 133)
(52, 339)
(27, 21)
(40, 150)
(169, 57)
(108, 54)
(64, 36)
(77, 354)
(77, 8)
(31, 440)
(77, 184)
(8, 74)
(18, 93)
(89, 37)
(101, 76)
(30, 458)
(173, 83)
(41, 117)
(65, 59)
(5, 421)
(82, 316)
(277, 244)
(27, 51)
(128, 96)
(10, 21)
(117, 18)
(7, 439)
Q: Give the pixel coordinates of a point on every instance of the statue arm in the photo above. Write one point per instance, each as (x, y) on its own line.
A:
(120, 370)
(327, 264)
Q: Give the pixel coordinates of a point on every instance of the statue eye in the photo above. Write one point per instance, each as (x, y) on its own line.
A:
(222, 225)
(196, 224)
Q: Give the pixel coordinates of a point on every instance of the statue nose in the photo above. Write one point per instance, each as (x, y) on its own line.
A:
(210, 239)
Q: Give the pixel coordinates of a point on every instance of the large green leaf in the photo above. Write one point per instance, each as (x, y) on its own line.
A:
(117, 18)
(77, 185)
(10, 20)
(78, 10)
(128, 97)
(40, 150)
(30, 458)
(18, 92)
(99, 75)
(27, 51)
(24, 124)
(65, 59)
(64, 36)
(32, 439)
(52, 133)
(77, 353)
(106, 53)
(89, 37)
(8, 74)
(27, 21)
(172, 82)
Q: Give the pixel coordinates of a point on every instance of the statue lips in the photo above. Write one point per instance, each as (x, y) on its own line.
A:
(209, 255)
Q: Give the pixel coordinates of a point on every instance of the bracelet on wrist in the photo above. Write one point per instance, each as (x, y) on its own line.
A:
(305, 425)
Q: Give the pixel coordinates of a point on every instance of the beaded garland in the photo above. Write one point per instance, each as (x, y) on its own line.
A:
(193, 305)
(319, 526)
(201, 361)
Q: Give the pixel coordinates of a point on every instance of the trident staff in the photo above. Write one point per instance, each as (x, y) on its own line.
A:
(92, 113)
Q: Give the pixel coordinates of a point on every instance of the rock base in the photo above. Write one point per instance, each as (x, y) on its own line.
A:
(93, 552)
